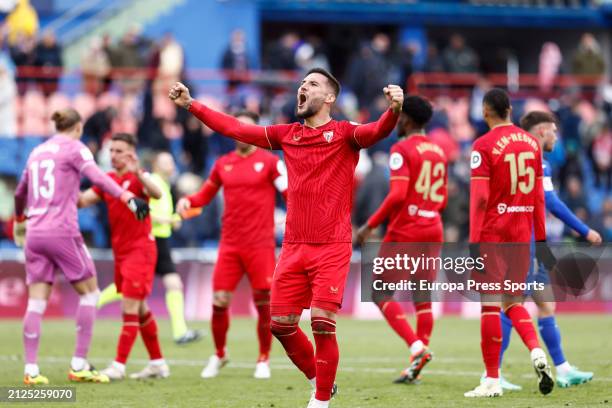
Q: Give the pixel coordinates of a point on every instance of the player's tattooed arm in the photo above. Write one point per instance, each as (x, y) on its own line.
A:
(88, 198)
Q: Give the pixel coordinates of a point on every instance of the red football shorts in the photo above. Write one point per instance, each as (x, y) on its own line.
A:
(310, 275)
(233, 263)
(135, 271)
(504, 263)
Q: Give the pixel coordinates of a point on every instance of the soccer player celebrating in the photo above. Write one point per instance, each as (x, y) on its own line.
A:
(164, 220)
(321, 155)
(135, 256)
(506, 205)
(417, 196)
(543, 125)
(47, 197)
(249, 177)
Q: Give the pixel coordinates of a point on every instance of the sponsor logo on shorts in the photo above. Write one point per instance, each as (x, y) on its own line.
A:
(503, 208)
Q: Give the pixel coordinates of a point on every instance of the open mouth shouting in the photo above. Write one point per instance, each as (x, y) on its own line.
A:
(302, 98)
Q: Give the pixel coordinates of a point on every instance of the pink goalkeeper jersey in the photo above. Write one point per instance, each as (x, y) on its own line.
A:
(51, 182)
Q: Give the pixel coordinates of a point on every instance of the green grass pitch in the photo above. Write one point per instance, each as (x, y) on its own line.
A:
(371, 356)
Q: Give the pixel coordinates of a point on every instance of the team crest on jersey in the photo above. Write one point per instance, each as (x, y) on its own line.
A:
(126, 184)
(412, 209)
(501, 208)
(258, 166)
(328, 136)
(475, 160)
(228, 167)
(297, 137)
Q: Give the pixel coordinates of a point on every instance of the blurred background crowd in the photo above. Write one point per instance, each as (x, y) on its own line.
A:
(119, 82)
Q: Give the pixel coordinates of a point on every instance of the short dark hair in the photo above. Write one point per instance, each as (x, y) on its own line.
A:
(418, 109)
(125, 137)
(498, 100)
(534, 118)
(65, 119)
(335, 84)
(249, 114)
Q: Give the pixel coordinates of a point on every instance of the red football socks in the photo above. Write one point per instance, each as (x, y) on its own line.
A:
(396, 318)
(148, 332)
(262, 303)
(129, 331)
(297, 346)
(220, 325)
(491, 339)
(327, 355)
(521, 321)
(424, 321)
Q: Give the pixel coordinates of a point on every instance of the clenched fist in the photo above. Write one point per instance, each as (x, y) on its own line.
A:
(179, 93)
(395, 96)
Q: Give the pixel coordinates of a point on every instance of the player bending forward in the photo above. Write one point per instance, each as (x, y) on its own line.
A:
(135, 257)
(417, 196)
(543, 125)
(506, 205)
(47, 197)
(249, 177)
(321, 155)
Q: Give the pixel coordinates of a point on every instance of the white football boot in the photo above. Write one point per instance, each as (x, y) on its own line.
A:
(215, 364)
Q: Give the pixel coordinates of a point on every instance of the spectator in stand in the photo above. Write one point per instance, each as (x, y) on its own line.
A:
(458, 57)
(370, 70)
(236, 61)
(588, 58)
(96, 67)
(23, 55)
(49, 61)
(171, 60)
(126, 57)
(8, 93)
(601, 153)
(309, 55)
(434, 63)
(195, 142)
(575, 198)
(22, 22)
(550, 63)
(98, 128)
(282, 54)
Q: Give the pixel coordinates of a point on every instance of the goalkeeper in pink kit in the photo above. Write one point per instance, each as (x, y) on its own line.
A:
(46, 205)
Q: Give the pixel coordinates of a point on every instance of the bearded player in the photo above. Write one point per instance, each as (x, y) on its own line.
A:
(506, 207)
(135, 257)
(543, 125)
(249, 177)
(47, 197)
(321, 155)
(416, 198)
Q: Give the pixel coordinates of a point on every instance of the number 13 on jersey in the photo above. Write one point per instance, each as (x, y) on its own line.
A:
(42, 186)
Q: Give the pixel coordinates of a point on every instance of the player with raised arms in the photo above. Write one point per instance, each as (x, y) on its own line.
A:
(321, 155)
(417, 196)
(249, 177)
(135, 255)
(46, 202)
(543, 125)
(506, 208)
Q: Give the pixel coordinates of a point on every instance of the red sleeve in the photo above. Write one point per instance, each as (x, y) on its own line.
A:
(370, 133)
(209, 189)
(539, 218)
(231, 127)
(479, 189)
(395, 198)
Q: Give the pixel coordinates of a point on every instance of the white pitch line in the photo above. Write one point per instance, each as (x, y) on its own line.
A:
(275, 366)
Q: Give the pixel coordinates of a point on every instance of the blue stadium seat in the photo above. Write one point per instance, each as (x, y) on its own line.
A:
(9, 156)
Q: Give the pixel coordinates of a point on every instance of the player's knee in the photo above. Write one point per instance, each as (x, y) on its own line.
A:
(90, 298)
(321, 325)
(546, 309)
(172, 281)
(222, 299)
(261, 297)
(280, 329)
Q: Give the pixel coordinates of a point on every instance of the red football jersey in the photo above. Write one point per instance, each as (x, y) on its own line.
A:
(423, 165)
(127, 233)
(320, 167)
(249, 196)
(509, 160)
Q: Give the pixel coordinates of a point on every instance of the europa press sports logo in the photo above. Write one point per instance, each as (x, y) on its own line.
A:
(501, 208)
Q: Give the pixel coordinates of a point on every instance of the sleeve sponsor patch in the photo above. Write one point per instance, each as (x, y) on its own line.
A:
(475, 160)
(86, 154)
(395, 161)
(548, 184)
